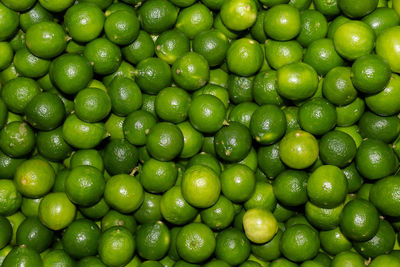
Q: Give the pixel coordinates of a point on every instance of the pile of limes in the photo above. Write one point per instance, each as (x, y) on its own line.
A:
(199, 133)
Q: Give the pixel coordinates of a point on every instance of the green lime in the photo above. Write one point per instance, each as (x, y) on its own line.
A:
(257, 30)
(298, 149)
(84, 185)
(87, 157)
(232, 246)
(137, 125)
(317, 116)
(239, 89)
(238, 183)
(313, 26)
(158, 176)
(244, 57)
(192, 140)
(194, 19)
(45, 111)
(175, 209)
(385, 260)
(375, 159)
(322, 56)
(282, 22)
(201, 186)
(265, 89)
(238, 15)
(150, 210)
(338, 87)
(381, 243)
(22, 255)
(195, 242)
(57, 256)
(379, 127)
(17, 139)
(164, 141)
(152, 240)
(233, 142)
(281, 53)
(263, 197)
(349, 114)
(6, 232)
(348, 258)
(18, 92)
(212, 45)
(354, 179)
(34, 15)
(9, 22)
(104, 56)
(84, 22)
(33, 234)
(242, 113)
(30, 65)
(8, 53)
(125, 96)
(92, 104)
(34, 178)
(359, 220)
(355, 11)
(191, 71)
(268, 124)
(383, 103)
(207, 113)
(207, 160)
(259, 225)
(71, 73)
(96, 211)
(220, 215)
(381, 19)
(149, 103)
(90, 261)
(123, 193)
(125, 70)
(292, 118)
(141, 48)
(116, 246)
(172, 44)
(383, 195)
(337, 148)
(56, 211)
(323, 218)
(83, 135)
(297, 81)
(354, 39)
(122, 27)
(10, 198)
(56, 5)
(157, 16)
(290, 187)
(333, 241)
(152, 75)
(46, 39)
(114, 126)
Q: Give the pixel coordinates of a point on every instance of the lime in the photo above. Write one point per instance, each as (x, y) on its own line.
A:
(348, 258)
(383, 195)
(56, 211)
(381, 19)
(290, 187)
(268, 124)
(125, 96)
(260, 225)
(46, 39)
(192, 140)
(313, 26)
(7, 57)
(104, 56)
(338, 87)
(82, 134)
(70, 73)
(152, 75)
(207, 113)
(265, 89)
(22, 255)
(157, 16)
(84, 22)
(354, 39)
(116, 246)
(10, 198)
(195, 242)
(349, 114)
(375, 159)
(352, 11)
(194, 19)
(359, 220)
(232, 246)
(141, 48)
(152, 240)
(158, 176)
(239, 89)
(150, 210)
(114, 218)
(90, 157)
(96, 211)
(263, 197)
(5, 232)
(333, 241)
(191, 71)
(337, 148)
(137, 125)
(379, 127)
(297, 81)
(18, 92)
(220, 215)
(244, 57)
(124, 193)
(30, 65)
(172, 44)
(281, 53)
(17, 139)
(323, 218)
(200, 186)
(239, 15)
(56, 5)
(212, 45)
(282, 22)
(243, 112)
(238, 183)
(45, 111)
(122, 27)
(114, 126)
(92, 104)
(385, 260)
(9, 22)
